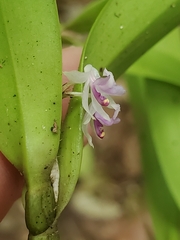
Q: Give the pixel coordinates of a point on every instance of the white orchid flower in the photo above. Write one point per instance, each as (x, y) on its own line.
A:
(98, 89)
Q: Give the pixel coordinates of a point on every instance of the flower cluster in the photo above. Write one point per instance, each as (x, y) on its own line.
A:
(98, 89)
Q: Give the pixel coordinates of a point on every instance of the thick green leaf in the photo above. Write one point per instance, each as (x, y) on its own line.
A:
(124, 30)
(163, 205)
(30, 97)
(30, 81)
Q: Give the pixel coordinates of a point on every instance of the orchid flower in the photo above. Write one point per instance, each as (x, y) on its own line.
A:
(98, 89)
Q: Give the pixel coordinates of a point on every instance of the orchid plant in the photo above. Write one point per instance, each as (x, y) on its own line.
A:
(31, 134)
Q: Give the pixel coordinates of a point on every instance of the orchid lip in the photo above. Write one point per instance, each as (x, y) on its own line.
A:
(99, 129)
(103, 101)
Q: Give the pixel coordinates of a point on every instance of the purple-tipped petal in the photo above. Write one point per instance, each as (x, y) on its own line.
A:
(105, 122)
(108, 85)
(102, 82)
(115, 90)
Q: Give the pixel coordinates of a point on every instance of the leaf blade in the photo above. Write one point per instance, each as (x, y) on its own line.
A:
(120, 40)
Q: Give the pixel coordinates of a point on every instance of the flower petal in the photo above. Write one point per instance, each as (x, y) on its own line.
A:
(85, 98)
(106, 122)
(114, 106)
(104, 85)
(104, 82)
(85, 131)
(76, 76)
(87, 117)
(114, 91)
(93, 73)
(111, 80)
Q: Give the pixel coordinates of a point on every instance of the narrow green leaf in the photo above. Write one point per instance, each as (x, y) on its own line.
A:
(162, 102)
(70, 151)
(161, 105)
(85, 20)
